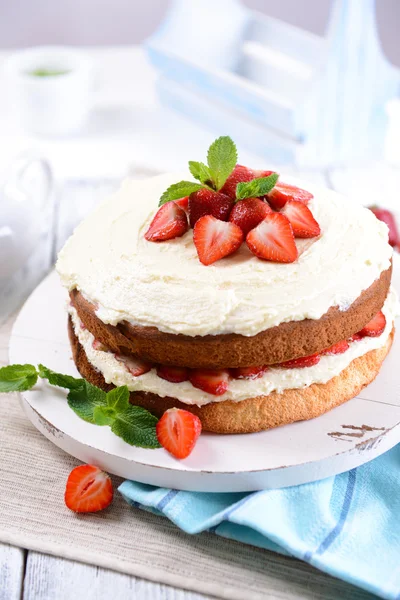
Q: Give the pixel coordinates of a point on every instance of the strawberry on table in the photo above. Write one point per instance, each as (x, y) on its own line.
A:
(301, 219)
(212, 381)
(283, 192)
(135, 366)
(239, 174)
(206, 202)
(248, 372)
(273, 239)
(173, 374)
(215, 239)
(338, 348)
(178, 431)
(387, 217)
(169, 222)
(301, 363)
(88, 489)
(248, 213)
(375, 327)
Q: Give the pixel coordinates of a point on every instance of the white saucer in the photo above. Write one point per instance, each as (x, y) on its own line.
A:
(346, 437)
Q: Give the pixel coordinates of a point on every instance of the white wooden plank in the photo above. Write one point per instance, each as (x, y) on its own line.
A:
(12, 562)
(51, 578)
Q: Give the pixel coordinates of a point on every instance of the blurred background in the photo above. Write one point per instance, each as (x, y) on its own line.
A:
(96, 90)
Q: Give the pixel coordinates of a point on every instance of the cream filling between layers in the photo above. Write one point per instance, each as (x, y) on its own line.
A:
(274, 379)
(164, 285)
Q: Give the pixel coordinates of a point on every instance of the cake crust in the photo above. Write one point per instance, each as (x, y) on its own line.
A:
(262, 412)
(286, 341)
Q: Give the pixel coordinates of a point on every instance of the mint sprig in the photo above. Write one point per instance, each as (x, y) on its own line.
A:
(17, 378)
(256, 187)
(134, 424)
(221, 159)
(179, 190)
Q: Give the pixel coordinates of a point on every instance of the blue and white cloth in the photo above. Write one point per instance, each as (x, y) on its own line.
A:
(347, 526)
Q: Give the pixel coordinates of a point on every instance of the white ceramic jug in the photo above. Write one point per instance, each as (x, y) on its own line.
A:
(24, 194)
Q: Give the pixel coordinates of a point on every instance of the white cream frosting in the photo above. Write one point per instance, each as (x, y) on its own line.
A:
(274, 379)
(165, 285)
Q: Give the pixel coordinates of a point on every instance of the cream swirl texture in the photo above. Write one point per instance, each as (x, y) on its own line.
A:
(164, 284)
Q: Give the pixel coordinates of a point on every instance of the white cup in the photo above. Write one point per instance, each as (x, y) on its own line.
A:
(50, 88)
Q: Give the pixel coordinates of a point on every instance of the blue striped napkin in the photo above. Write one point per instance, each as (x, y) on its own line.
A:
(347, 526)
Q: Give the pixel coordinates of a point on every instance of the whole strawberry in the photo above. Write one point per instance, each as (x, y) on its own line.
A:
(206, 202)
(387, 217)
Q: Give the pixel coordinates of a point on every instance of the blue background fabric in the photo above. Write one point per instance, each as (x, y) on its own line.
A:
(347, 526)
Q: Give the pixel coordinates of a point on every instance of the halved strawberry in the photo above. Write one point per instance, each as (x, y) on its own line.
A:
(88, 489)
(248, 213)
(338, 348)
(259, 173)
(301, 219)
(135, 366)
(215, 239)
(273, 239)
(173, 374)
(283, 192)
(248, 372)
(239, 174)
(183, 203)
(169, 222)
(98, 345)
(206, 202)
(300, 363)
(210, 380)
(375, 327)
(178, 431)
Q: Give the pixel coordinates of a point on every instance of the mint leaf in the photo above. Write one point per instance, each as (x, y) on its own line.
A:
(83, 400)
(222, 159)
(17, 378)
(103, 415)
(256, 187)
(137, 427)
(118, 398)
(179, 190)
(201, 172)
(60, 380)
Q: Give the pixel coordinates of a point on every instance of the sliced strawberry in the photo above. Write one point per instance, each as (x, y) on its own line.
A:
(375, 327)
(173, 374)
(248, 213)
(300, 363)
(239, 174)
(338, 348)
(215, 239)
(273, 239)
(98, 345)
(169, 222)
(206, 202)
(183, 203)
(135, 366)
(248, 372)
(301, 219)
(356, 337)
(210, 380)
(283, 192)
(88, 489)
(178, 431)
(258, 173)
(387, 217)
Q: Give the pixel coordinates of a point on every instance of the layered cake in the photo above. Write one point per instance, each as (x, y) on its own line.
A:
(248, 299)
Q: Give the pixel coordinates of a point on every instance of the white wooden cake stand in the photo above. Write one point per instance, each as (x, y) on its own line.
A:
(346, 437)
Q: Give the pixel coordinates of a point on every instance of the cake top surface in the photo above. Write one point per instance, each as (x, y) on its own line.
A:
(165, 285)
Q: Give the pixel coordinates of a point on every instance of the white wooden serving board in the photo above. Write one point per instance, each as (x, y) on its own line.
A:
(346, 437)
